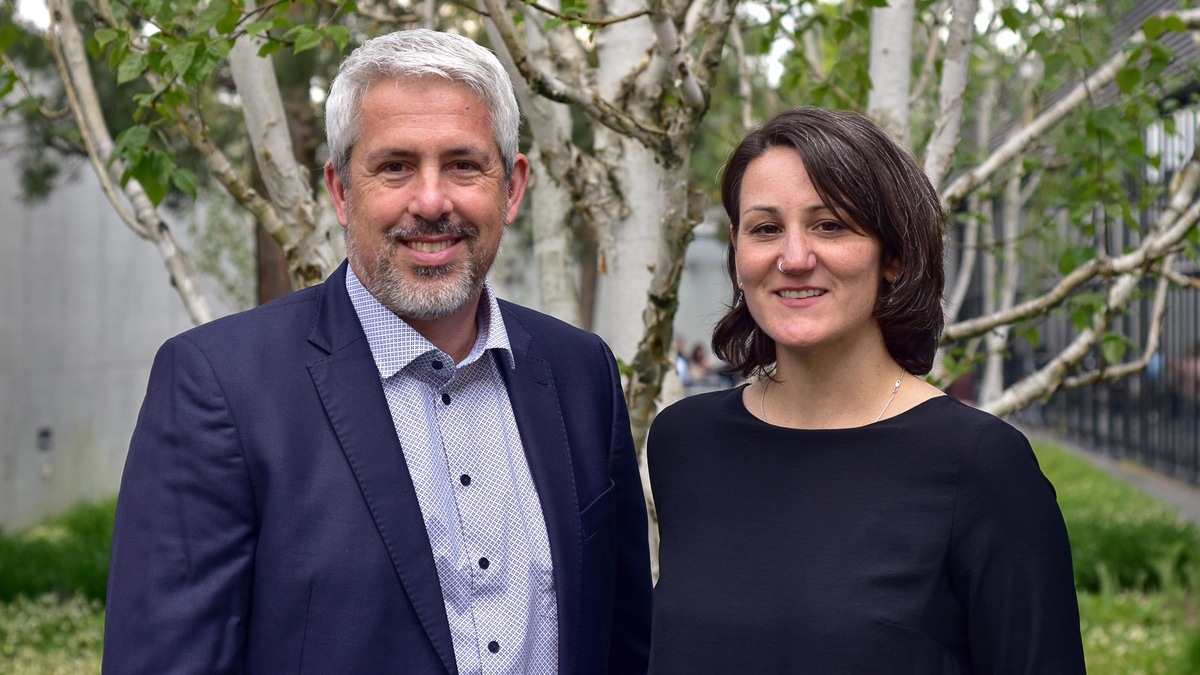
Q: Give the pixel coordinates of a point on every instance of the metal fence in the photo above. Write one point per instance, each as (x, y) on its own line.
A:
(1153, 418)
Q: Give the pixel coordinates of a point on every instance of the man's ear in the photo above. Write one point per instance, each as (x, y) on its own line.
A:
(337, 192)
(517, 183)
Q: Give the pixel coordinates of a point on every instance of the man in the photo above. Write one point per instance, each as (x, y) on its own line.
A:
(392, 472)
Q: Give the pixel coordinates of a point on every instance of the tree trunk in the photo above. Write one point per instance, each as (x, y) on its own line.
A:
(891, 66)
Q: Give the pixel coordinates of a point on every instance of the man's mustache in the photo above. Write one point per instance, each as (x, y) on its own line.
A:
(427, 228)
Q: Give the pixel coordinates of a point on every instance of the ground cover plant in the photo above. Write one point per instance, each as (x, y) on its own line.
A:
(1136, 569)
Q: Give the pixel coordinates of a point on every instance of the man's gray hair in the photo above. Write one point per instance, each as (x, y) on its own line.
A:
(414, 55)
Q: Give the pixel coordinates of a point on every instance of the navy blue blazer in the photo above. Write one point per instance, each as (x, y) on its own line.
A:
(267, 521)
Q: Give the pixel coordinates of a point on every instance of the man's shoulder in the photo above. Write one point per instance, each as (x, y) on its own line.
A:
(277, 317)
(539, 324)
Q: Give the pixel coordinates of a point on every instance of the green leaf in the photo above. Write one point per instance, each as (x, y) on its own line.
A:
(269, 48)
(1075, 256)
(339, 34)
(1084, 309)
(132, 143)
(229, 21)
(185, 181)
(875, 3)
(211, 15)
(1113, 346)
(1174, 24)
(1153, 27)
(180, 57)
(1012, 18)
(153, 171)
(255, 27)
(303, 38)
(552, 23)
(1128, 78)
(132, 67)
(103, 36)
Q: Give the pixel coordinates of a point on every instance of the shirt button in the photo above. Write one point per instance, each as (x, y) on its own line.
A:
(483, 565)
(446, 399)
(493, 646)
(464, 479)
(436, 365)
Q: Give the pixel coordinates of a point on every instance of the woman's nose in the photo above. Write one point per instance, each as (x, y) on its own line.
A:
(796, 255)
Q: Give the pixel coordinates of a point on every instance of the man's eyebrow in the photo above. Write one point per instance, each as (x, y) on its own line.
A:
(401, 151)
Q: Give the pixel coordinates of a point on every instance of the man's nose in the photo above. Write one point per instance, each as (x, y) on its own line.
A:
(430, 200)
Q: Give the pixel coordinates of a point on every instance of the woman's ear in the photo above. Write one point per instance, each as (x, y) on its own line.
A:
(891, 270)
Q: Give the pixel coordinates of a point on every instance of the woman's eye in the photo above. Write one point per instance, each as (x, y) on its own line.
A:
(764, 228)
(830, 226)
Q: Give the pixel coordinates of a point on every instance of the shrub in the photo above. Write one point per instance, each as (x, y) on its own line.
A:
(65, 555)
(1120, 538)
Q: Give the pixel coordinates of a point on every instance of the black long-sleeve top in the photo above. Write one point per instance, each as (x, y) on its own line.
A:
(929, 542)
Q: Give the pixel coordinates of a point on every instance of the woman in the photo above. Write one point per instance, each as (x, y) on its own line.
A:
(839, 514)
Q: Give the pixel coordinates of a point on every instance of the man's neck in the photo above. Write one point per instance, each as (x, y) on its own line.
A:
(455, 334)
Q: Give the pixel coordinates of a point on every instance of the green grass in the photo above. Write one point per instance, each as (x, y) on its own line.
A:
(1136, 564)
(1137, 569)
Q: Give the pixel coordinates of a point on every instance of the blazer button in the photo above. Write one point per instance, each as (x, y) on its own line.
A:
(493, 646)
(446, 399)
(483, 563)
(464, 479)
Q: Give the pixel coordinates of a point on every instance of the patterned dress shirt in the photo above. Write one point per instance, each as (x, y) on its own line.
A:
(481, 510)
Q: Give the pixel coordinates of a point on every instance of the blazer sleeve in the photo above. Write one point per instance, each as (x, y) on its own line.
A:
(184, 540)
(1011, 560)
(630, 646)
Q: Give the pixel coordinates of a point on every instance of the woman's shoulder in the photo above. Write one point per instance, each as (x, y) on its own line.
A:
(983, 443)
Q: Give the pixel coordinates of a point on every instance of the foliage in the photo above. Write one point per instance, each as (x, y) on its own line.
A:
(51, 635)
(65, 555)
(1135, 563)
(1120, 538)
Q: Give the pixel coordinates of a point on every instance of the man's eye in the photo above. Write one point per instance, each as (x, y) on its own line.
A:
(464, 166)
(393, 167)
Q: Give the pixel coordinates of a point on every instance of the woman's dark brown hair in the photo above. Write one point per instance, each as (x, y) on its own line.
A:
(862, 175)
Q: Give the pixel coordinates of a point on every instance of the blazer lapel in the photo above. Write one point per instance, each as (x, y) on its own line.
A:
(539, 419)
(348, 384)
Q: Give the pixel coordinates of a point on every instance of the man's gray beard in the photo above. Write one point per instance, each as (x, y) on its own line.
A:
(421, 301)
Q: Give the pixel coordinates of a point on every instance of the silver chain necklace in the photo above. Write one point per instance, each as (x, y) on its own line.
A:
(766, 382)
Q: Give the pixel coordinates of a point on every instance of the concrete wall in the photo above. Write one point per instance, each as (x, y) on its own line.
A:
(84, 305)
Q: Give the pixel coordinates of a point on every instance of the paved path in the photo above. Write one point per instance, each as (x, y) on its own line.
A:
(1177, 493)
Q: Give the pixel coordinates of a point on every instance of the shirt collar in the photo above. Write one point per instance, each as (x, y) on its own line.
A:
(395, 344)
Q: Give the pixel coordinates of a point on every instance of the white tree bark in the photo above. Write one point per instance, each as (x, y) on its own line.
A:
(1003, 290)
(552, 156)
(891, 66)
(629, 241)
(948, 123)
(311, 256)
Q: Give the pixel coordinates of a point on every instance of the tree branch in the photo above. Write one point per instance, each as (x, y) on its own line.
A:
(670, 48)
(585, 20)
(586, 98)
(961, 186)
